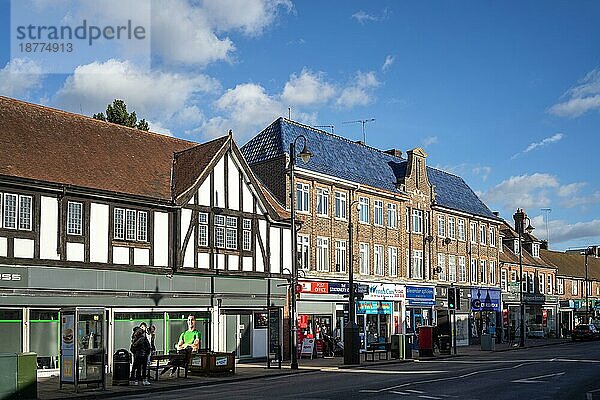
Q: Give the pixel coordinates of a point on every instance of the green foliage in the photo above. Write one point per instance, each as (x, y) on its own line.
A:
(117, 113)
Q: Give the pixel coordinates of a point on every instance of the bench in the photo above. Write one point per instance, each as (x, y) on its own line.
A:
(381, 349)
(177, 360)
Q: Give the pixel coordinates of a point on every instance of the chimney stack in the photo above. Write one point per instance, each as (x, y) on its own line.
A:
(394, 152)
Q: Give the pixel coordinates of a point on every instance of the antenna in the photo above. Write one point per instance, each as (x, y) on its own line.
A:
(326, 126)
(546, 212)
(363, 122)
(289, 113)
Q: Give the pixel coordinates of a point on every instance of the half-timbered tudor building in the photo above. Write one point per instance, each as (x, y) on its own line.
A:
(417, 231)
(151, 227)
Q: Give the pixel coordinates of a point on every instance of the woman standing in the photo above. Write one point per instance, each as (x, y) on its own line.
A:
(140, 347)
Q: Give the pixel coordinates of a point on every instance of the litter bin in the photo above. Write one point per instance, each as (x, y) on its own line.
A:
(18, 375)
(397, 346)
(444, 344)
(121, 361)
(408, 345)
(426, 341)
(487, 342)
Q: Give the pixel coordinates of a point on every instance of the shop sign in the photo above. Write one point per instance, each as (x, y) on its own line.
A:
(323, 287)
(13, 277)
(485, 299)
(513, 287)
(385, 291)
(566, 304)
(420, 295)
(374, 307)
(536, 298)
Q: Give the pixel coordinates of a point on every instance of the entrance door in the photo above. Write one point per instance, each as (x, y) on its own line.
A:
(238, 334)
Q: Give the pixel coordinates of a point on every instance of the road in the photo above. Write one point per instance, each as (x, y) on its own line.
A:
(564, 371)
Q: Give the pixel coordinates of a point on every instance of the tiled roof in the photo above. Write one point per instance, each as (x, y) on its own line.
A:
(345, 159)
(189, 164)
(572, 264)
(50, 145)
(508, 256)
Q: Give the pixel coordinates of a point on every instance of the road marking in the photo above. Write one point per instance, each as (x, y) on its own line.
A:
(430, 397)
(414, 391)
(382, 371)
(400, 393)
(535, 379)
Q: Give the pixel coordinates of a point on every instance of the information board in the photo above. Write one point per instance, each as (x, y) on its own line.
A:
(308, 347)
(274, 337)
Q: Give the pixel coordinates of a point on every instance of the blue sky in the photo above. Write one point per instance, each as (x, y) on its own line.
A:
(504, 94)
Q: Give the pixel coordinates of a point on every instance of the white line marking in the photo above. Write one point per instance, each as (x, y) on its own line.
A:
(414, 391)
(534, 379)
(381, 371)
(431, 397)
(400, 393)
(368, 391)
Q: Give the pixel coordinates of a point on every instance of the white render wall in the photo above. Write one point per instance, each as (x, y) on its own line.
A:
(75, 252)
(233, 184)
(99, 220)
(24, 248)
(219, 173)
(186, 219)
(48, 228)
(161, 239)
(204, 193)
(275, 249)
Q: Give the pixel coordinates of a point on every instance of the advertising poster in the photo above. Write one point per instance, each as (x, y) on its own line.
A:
(67, 347)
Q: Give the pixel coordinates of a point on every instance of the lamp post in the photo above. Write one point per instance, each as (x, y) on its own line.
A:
(305, 156)
(351, 330)
(520, 217)
(588, 251)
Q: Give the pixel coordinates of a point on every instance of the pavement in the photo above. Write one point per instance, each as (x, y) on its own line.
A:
(48, 387)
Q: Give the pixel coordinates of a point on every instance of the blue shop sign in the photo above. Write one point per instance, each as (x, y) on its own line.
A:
(374, 307)
(485, 299)
(420, 295)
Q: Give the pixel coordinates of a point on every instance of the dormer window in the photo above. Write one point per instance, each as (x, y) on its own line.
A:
(516, 246)
(535, 250)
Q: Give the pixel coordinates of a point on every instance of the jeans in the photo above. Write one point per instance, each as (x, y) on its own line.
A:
(138, 372)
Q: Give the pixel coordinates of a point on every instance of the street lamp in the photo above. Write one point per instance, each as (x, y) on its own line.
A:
(588, 251)
(305, 156)
(520, 217)
(351, 330)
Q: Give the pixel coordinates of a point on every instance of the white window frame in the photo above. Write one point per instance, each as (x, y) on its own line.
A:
(530, 283)
(462, 269)
(119, 224)
(451, 268)
(452, 228)
(441, 226)
(474, 270)
(378, 212)
(407, 219)
(322, 254)
(322, 202)
(142, 226)
(560, 286)
(302, 197)
(341, 256)
(392, 216)
(492, 273)
(482, 234)
(363, 210)
(231, 235)
(550, 288)
(340, 205)
(25, 213)
(74, 218)
(574, 287)
(504, 280)
(130, 225)
(219, 226)
(304, 250)
(517, 247)
(535, 249)
(378, 254)
(364, 258)
(393, 261)
(541, 282)
(441, 267)
(492, 236)
(473, 232)
(417, 264)
(203, 229)
(417, 220)
(11, 217)
(247, 234)
(461, 230)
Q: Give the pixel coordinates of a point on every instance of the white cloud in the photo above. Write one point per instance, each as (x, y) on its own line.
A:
(544, 142)
(429, 140)
(524, 191)
(156, 96)
(195, 36)
(387, 64)
(582, 201)
(307, 88)
(484, 172)
(581, 98)
(157, 127)
(570, 189)
(19, 76)
(250, 16)
(360, 92)
(562, 231)
(362, 17)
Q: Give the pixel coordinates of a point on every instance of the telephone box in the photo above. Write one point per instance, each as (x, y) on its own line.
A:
(82, 346)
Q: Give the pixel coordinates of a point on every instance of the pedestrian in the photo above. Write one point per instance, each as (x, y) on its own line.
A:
(150, 334)
(140, 347)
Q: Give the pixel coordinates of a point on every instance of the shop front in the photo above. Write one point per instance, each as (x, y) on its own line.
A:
(544, 316)
(420, 303)
(486, 313)
(374, 319)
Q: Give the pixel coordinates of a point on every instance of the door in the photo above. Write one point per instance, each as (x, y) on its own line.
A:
(238, 334)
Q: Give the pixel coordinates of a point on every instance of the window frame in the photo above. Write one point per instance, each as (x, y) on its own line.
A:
(28, 215)
(340, 204)
(473, 232)
(482, 234)
(452, 268)
(363, 258)
(323, 264)
(417, 264)
(14, 214)
(462, 269)
(417, 220)
(461, 230)
(378, 259)
(303, 242)
(246, 234)
(393, 260)
(341, 256)
(392, 216)
(130, 233)
(378, 212)
(73, 223)
(302, 197)
(203, 236)
(441, 263)
(441, 229)
(363, 210)
(452, 228)
(120, 229)
(322, 202)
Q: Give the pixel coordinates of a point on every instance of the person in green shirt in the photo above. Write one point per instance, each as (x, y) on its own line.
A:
(191, 337)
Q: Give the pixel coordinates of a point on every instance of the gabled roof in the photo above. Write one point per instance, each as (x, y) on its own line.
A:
(49, 145)
(342, 158)
(572, 264)
(507, 255)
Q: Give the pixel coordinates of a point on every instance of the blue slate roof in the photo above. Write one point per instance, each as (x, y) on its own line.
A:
(337, 156)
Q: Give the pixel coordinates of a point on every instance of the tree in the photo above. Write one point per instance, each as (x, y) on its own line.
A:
(117, 113)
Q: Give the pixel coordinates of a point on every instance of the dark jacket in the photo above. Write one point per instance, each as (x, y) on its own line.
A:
(140, 347)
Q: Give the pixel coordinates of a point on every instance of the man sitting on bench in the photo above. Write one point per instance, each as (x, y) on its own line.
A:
(189, 341)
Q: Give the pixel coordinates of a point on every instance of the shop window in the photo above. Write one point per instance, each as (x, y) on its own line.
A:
(11, 331)
(176, 322)
(43, 337)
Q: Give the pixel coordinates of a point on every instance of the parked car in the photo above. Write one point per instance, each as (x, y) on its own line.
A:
(585, 332)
